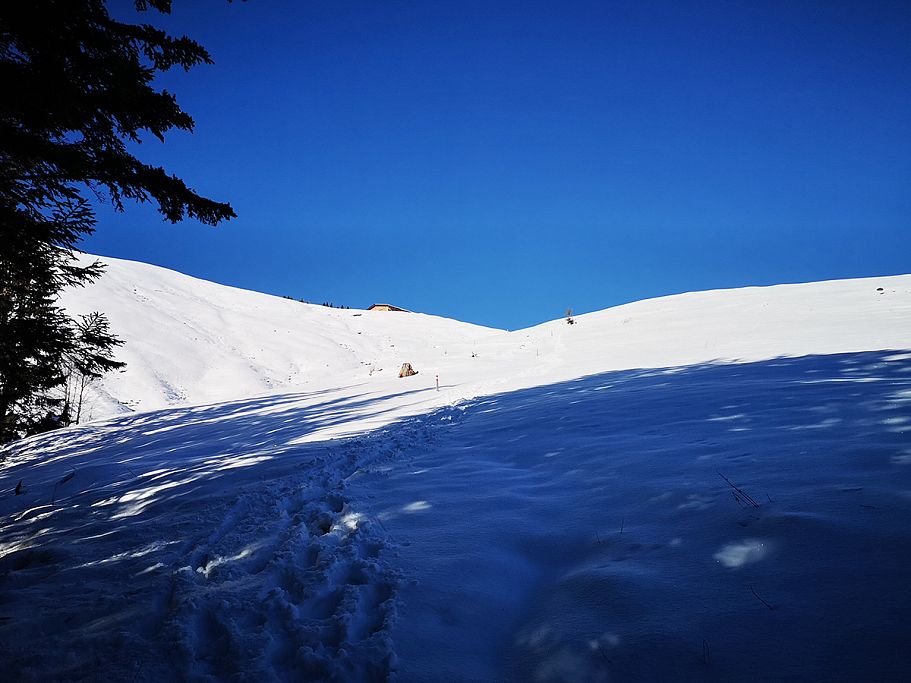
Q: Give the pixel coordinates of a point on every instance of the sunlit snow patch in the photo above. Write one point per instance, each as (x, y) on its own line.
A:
(736, 555)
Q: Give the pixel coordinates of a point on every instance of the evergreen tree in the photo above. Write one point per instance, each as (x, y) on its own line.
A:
(88, 359)
(35, 333)
(75, 89)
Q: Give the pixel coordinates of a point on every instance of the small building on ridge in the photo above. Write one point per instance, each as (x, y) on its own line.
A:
(387, 307)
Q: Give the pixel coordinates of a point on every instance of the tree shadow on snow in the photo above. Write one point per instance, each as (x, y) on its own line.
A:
(713, 522)
(644, 560)
(120, 523)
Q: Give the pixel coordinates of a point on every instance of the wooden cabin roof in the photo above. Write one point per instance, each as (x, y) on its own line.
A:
(389, 307)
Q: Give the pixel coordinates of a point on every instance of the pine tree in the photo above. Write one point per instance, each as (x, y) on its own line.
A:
(75, 89)
(89, 358)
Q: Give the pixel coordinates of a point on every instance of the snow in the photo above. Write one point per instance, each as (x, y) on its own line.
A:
(581, 531)
(190, 341)
(707, 486)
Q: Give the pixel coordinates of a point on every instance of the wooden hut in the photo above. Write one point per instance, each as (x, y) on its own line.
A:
(387, 307)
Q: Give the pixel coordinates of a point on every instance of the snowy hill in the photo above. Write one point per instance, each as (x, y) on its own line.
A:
(709, 486)
(190, 341)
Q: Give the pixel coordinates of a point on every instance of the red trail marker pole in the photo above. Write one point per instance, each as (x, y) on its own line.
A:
(438, 382)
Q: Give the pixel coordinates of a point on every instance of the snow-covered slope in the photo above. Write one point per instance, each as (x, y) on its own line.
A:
(191, 341)
(709, 486)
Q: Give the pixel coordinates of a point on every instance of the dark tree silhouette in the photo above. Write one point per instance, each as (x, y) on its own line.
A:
(75, 89)
(89, 358)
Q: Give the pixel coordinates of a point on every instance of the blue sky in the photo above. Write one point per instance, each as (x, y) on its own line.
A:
(498, 162)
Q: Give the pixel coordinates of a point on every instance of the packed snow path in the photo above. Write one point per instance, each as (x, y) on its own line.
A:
(203, 544)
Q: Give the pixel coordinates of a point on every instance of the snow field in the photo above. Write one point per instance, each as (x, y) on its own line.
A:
(190, 342)
(197, 544)
(583, 532)
(285, 508)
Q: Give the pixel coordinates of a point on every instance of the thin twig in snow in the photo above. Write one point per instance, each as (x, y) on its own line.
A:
(759, 598)
(743, 494)
(65, 479)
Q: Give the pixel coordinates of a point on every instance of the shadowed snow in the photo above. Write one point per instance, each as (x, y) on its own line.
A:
(553, 513)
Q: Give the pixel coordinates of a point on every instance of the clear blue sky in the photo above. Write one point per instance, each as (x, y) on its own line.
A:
(498, 162)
